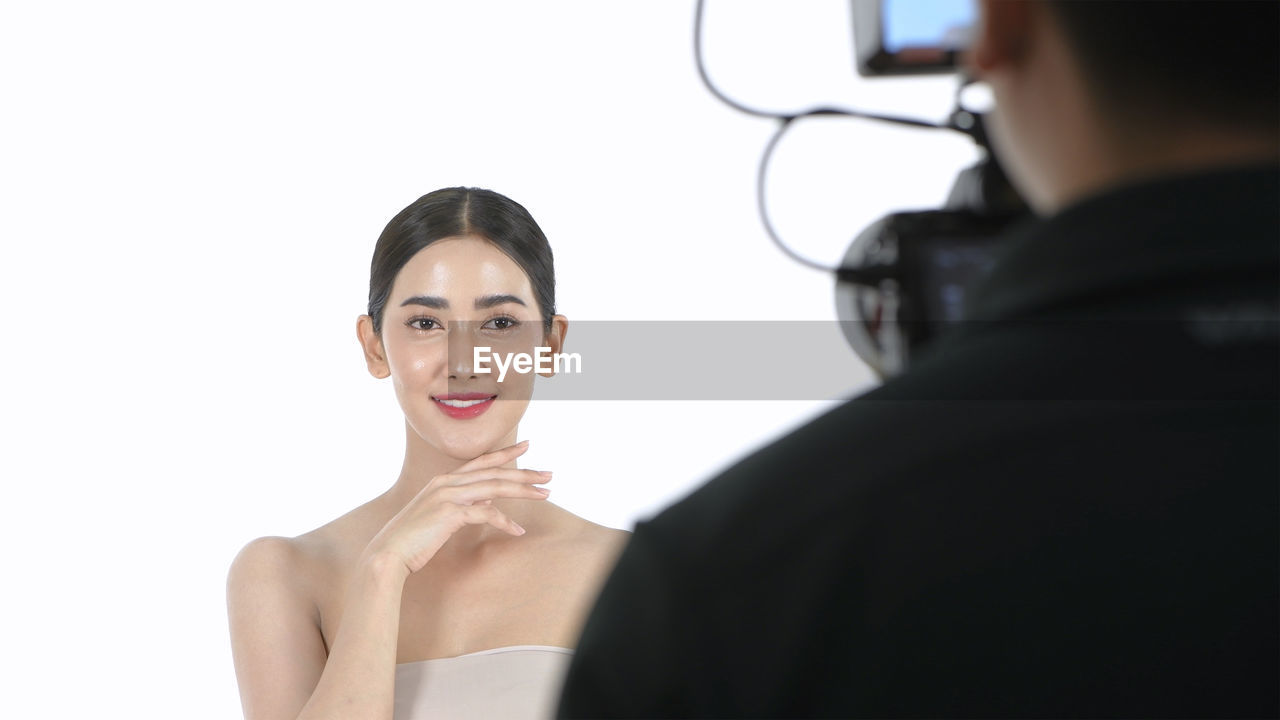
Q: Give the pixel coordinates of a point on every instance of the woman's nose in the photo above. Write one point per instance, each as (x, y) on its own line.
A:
(462, 343)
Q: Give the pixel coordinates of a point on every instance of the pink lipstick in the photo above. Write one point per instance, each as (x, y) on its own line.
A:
(462, 406)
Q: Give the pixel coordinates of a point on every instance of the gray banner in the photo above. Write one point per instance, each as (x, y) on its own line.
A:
(812, 360)
(683, 360)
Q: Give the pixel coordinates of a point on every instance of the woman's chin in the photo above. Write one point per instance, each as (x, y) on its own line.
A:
(465, 438)
(467, 445)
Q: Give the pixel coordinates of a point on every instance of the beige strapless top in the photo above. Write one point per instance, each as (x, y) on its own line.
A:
(521, 681)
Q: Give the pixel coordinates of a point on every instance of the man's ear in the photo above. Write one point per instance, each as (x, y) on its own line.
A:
(375, 356)
(554, 338)
(1000, 35)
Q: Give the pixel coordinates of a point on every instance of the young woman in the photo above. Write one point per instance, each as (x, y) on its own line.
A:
(460, 590)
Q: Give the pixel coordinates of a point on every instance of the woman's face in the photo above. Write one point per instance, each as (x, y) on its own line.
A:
(453, 296)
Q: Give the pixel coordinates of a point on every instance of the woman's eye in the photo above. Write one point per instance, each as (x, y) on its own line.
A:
(424, 323)
(502, 323)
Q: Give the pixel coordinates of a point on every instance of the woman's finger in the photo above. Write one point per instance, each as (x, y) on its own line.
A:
(476, 492)
(495, 458)
(488, 514)
(516, 474)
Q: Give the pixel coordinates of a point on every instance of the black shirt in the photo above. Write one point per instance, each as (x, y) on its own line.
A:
(1069, 508)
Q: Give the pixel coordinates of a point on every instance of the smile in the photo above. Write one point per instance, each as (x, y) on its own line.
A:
(461, 406)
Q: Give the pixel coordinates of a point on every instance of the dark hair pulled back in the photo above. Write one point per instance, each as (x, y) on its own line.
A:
(454, 212)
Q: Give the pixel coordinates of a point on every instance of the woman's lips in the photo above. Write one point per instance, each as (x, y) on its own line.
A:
(461, 406)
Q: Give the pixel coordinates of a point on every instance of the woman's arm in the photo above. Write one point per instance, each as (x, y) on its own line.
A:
(276, 642)
(282, 666)
(281, 663)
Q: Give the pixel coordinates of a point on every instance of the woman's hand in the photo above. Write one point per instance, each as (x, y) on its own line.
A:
(454, 500)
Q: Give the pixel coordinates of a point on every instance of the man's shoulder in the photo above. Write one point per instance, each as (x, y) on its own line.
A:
(790, 487)
(962, 419)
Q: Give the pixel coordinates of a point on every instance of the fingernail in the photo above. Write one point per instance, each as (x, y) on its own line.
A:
(545, 473)
(519, 530)
(523, 443)
(544, 491)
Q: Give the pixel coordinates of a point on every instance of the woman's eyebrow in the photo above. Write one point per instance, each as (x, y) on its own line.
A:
(482, 303)
(488, 301)
(431, 301)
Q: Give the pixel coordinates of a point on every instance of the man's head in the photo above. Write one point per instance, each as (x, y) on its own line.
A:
(1093, 93)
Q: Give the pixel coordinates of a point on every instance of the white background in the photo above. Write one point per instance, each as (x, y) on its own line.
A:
(190, 197)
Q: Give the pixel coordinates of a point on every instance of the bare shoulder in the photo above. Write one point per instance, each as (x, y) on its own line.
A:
(607, 539)
(302, 565)
(282, 559)
(271, 570)
(262, 558)
(591, 540)
(587, 554)
(277, 644)
(270, 590)
(268, 553)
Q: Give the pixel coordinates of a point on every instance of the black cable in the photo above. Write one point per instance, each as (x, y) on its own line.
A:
(784, 123)
(785, 117)
(763, 172)
(706, 81)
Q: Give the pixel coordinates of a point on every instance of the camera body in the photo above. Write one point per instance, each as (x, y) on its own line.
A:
(927, 263)
(906, 278)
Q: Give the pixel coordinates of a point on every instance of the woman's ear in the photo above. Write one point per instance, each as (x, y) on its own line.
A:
(375, 356)
(554, 339)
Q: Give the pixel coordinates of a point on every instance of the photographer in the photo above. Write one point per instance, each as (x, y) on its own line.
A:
(1069, 507)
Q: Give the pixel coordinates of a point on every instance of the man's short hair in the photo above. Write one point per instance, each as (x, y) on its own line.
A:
(1213, 61)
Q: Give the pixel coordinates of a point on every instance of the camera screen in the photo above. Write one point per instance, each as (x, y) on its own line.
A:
(951, 268)
(927, 24)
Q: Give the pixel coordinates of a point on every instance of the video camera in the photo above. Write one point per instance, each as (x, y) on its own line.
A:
(906, 278)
